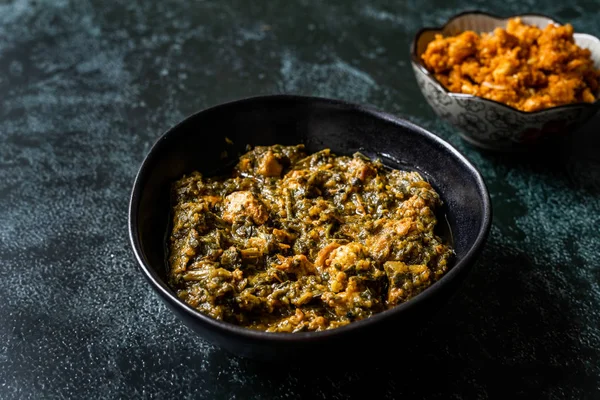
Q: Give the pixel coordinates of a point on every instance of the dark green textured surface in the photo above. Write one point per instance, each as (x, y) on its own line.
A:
(87, 86)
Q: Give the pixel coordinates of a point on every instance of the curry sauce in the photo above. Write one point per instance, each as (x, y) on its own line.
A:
(292, 242)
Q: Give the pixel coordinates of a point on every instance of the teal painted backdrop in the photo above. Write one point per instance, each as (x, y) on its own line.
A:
(87, 86)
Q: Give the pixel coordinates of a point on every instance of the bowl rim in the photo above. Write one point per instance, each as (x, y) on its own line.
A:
(167, 294)
(418, 64)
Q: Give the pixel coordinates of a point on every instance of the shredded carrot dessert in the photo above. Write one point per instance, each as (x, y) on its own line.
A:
(523, 66)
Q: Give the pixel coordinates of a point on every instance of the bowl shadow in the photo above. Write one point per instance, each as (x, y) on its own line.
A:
(501, 333)
(573, 159)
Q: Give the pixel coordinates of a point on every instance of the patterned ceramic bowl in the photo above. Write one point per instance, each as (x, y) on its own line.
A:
(487, 123)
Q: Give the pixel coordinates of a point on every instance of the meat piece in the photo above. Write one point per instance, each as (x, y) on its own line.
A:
(379, 245)
(346, 256)
(360, 169)
(298, 264)
(244, 203)
(324, 254)
(283, 236)
(269, 165)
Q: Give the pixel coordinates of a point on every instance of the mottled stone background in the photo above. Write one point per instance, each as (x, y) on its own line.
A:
(86, 86)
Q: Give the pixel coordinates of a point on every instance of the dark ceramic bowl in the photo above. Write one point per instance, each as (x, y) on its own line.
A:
(197, 144)
(488, 123)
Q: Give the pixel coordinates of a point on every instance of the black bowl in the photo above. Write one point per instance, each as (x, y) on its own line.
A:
(198, 142)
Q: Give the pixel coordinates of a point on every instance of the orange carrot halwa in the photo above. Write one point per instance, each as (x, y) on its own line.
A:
(523, 66)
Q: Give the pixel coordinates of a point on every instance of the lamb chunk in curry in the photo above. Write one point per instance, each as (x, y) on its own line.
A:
(292, 242)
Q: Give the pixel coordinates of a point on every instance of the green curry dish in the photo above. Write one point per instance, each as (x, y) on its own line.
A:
(292, 242)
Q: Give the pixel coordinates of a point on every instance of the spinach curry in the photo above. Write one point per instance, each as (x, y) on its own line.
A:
(292, 242)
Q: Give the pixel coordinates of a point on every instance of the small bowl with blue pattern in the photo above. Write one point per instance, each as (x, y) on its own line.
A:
(488, 123)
